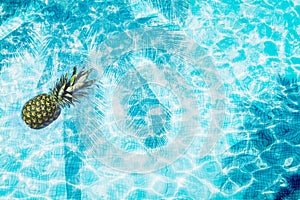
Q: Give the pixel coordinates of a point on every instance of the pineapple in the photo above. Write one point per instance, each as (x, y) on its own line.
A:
(43, 109)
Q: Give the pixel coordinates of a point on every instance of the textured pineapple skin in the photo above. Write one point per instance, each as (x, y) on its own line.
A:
(40, 111)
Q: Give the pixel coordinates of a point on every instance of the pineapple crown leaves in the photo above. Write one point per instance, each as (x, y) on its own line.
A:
(67, 91)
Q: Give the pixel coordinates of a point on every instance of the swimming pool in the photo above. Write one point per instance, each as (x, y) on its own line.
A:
(193, 99)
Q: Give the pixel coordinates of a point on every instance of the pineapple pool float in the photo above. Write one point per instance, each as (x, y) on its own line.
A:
(43, 109)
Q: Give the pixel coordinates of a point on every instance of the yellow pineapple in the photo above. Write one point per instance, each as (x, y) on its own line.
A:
(43, 109)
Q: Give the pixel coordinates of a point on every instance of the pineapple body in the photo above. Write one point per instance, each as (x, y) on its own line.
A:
(40, 111)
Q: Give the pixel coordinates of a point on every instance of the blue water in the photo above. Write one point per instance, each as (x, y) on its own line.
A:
(193, 99)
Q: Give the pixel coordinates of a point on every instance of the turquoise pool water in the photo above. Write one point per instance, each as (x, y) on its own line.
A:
(194, 99)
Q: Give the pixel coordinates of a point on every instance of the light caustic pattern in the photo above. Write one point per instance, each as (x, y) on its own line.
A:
(156, 87)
